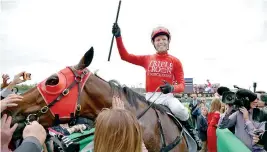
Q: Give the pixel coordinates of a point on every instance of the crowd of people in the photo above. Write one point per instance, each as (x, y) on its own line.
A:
(34, 135)
(206, 88)
(221, 115)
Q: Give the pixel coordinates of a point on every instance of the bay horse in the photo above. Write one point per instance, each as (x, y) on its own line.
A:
(60, 93)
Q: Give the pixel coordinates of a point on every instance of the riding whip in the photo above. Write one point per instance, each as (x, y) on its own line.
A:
(111, 45)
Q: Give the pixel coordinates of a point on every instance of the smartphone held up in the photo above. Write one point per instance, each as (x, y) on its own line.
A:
(26, 76)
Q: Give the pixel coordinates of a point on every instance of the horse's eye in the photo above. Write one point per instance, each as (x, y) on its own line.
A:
(52, 80)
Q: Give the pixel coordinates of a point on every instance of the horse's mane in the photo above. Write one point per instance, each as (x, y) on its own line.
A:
(131, 95)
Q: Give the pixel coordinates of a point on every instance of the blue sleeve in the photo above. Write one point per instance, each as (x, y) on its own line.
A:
(196, 111)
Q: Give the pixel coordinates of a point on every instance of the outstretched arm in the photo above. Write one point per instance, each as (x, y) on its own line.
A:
(131, 58)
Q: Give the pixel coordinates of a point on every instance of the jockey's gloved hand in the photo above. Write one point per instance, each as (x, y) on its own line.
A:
(166, 88)
(116, 31)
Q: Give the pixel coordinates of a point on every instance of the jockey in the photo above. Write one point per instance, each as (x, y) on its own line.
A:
(161, 67)
(209, 87)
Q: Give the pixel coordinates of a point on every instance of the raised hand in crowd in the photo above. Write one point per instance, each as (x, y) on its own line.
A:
(17, 80)
(10, 101)
(36, 130)
(117, 103)
(245, 113)
(34, 136)
(6, 131)
(5, 78)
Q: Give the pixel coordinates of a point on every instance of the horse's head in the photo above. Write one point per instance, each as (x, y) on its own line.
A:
(58, 96)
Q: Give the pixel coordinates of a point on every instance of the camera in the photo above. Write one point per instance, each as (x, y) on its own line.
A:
(26, 76)
(229, 97)
(240, 98)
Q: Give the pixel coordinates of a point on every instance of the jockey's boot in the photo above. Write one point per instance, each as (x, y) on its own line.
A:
(188, 125)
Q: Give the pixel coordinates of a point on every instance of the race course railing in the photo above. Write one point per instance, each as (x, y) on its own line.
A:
(228, 142)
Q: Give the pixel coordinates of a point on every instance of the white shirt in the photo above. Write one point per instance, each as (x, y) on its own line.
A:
(5, 92)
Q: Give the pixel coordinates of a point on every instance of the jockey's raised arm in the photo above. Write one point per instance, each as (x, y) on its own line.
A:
(131, 58)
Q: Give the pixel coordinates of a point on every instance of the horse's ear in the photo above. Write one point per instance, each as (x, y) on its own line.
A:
(86, 59)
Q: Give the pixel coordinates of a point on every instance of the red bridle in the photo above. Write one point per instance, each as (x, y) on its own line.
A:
(63, 99)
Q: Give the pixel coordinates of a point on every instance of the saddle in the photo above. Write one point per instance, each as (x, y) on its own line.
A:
(165, 109)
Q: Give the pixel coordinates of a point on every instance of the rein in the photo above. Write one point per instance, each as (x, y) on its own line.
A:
(77, 81)
(141, 114)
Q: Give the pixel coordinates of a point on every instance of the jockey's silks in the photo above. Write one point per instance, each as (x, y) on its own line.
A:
(158, 67)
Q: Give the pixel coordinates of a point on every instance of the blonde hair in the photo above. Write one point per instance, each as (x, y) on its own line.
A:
(222, 110)
(215, 105)
(117, 130)
(204, 108)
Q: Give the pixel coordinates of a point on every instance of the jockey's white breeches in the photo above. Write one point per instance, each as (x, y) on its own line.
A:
(177, 108)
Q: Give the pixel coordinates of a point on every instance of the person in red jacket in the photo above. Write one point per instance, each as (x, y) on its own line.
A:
(161, 67)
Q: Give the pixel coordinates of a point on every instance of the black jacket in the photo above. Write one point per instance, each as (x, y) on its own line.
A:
(202, 126)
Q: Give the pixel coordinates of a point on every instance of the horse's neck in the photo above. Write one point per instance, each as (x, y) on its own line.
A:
(98, 93)
(104, 93)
